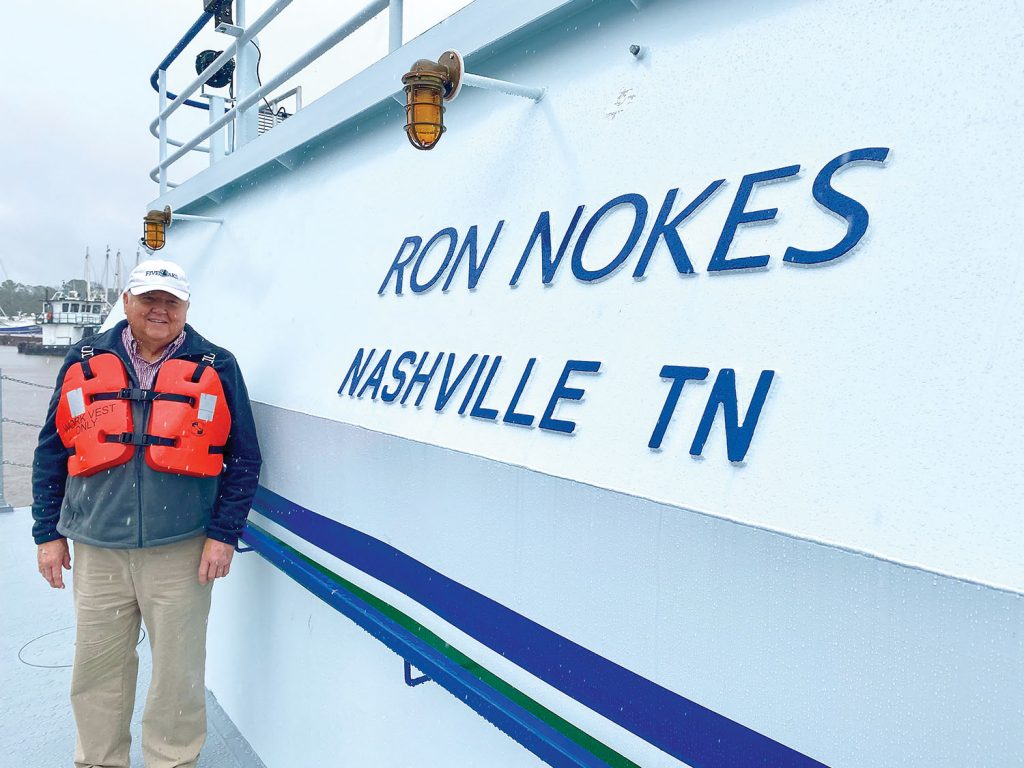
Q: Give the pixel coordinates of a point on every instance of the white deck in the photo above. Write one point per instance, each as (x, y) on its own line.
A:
(36, 623)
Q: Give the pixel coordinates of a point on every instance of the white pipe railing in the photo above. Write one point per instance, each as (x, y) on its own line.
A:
(174, 143)
(162, 80)
(296, 92)
(229, 53)
(241, 112)
(244, 103)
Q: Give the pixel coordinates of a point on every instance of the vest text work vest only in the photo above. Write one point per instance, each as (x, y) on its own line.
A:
(188, 421)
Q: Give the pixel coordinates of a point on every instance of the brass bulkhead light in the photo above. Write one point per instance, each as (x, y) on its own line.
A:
(154, 228)
(427, 85)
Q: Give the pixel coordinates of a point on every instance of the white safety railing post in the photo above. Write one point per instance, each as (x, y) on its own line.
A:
(4, 506)
(217, 139)
(162, 81)
(394, 25)
(247, 121)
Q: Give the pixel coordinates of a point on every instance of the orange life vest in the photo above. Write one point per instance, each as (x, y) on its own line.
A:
(188, 424)
(83, 422)
(189, 434)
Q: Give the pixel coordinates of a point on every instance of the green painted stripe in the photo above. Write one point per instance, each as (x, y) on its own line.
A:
(563, 726)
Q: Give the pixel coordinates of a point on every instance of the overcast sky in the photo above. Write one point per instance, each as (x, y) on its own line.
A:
(75, 150)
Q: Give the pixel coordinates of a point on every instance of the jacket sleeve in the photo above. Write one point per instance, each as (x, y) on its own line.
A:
(50, 468)
(242, 461)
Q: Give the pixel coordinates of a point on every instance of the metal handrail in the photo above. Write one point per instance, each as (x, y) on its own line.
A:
(523, 724)
(354, 23)
(245, 101)
(159, 125)
(296, 92)
(171, 57)
(226, 55)
(76, 318)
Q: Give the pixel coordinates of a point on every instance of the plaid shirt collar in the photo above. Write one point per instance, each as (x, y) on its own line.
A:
(145, 370)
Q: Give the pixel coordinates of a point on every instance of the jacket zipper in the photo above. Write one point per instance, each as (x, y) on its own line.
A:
(140, 451)
(138, 492)
(138, 457)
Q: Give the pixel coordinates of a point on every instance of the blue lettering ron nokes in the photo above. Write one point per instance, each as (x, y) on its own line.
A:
(422, 264)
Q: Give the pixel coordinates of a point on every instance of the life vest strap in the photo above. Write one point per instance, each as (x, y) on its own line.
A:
(202, 365)
(87, 352)
(144, 395)
(129, 438)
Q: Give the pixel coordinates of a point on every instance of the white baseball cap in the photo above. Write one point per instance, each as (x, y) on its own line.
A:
(158, 275)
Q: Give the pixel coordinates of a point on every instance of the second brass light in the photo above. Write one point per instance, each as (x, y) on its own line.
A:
(154, 228)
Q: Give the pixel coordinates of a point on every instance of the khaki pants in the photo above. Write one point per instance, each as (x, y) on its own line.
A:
(116, 589)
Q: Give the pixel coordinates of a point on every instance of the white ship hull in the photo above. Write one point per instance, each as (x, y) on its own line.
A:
(834, 578)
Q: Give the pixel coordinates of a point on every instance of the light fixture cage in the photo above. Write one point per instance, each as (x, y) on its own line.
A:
(427, 85)
(424, 116)
(154, 228)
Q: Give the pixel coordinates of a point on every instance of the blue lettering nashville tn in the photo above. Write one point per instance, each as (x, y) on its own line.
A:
(448, 381)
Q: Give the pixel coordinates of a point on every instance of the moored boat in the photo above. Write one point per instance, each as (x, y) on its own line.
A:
(67, 318)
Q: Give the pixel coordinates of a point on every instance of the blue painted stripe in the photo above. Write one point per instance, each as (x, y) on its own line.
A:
(682, 728)
(540, 738)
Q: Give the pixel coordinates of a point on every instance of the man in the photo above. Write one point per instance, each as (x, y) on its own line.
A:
(148, 461)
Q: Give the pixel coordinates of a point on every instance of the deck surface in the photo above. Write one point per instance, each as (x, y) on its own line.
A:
(36, 650)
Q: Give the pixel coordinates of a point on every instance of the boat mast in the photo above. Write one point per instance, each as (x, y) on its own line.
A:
(102, 290)
(3, 268)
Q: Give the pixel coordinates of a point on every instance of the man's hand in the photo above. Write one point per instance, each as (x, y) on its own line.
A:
(216, 560)
(52, 557)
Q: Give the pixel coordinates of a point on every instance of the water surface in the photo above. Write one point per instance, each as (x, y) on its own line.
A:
(23, 403)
